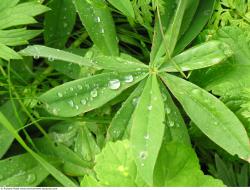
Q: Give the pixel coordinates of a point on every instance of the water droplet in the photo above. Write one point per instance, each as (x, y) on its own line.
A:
(216, 123)
(135, 101)
(146, 136)
(51, 59)
(150, 107)
(168, 110)
(129, 79)
(31, 178)
(55, 111)
(83, 101)
(36, 56)
(79, 87)
(77, 107)
(59, 94)
(71, 89)
(114, 84)
(102, 31)
(93, 93)
(71, 103)
(216, 60)
(98, 19)
(228, 52)
(171, 123)
(143, 155)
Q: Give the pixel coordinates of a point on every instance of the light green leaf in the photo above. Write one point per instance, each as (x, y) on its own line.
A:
(237, 40)
(148, 129)
(212, 117)
(52, 54)
(59, 22)
(125, 6)
(122, 118)
(8, 53)
(99, 23)
(17, 37)
(202, 15)
(178, 166)
(204, 55)
(22, 170)
(82, 95)
(114, 167)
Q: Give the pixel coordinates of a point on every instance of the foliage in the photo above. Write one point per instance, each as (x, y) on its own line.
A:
(118, 95)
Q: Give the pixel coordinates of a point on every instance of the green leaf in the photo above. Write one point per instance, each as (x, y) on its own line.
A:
(52, 54)
(171, 19)
(8, 53)
(22, 170)
(148, 129)
(178, 166)
(176, 129)
(6, 137)
(212, 117)
(114, 167)
(99, 24)
(202, 15)
(204, 55)
(122, 118)
(59, 22)
(17, 37)
(125, 6)
(82, 95)
(237, 40)
(51, 169)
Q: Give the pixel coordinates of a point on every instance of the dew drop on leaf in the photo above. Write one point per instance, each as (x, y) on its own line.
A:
(79, 87)
(129, 79)
(59, 94)
(51, 59)
(168, 110)
(71, 89)
(135, 101)
(146, 136)
(71, 103)
(143, 155)
(150, 107)
(93, 93)
(114, 84)
(31, 178)
(83, 101)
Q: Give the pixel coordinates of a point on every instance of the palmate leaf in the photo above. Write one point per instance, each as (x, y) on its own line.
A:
(148, 129)
(13, 14)
(211, 116)
(82, 95)
(204, 55)
(99, 24)
(22, 170)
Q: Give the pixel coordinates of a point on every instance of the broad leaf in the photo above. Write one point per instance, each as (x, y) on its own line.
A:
(59, 22)
(178, 166)
(211, 116)
(99, 23)
(114, 167)
(204, 55)
(148, 129)
(22, 170)
(82, 95)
